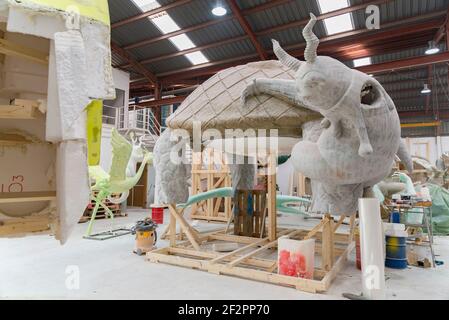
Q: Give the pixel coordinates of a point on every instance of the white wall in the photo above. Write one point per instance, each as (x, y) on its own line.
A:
(428, 147)
(121, 81)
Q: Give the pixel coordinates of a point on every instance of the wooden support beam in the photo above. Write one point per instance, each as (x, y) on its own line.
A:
(185, 227)
(12, 49)
(271, 197)
(20, 109)
(21, 226)
(327, 243)
(247, 28)
(19, 197)
(239, 250)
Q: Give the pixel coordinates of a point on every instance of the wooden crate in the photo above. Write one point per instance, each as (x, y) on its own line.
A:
(250, 212)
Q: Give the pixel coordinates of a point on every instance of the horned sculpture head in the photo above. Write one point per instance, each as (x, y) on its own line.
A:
(328, 86)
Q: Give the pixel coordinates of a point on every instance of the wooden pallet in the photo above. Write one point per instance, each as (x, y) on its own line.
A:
(256, 258)
(101, 212)
(117, 214)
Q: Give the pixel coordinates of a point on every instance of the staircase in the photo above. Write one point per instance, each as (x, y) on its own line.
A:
(140, 121)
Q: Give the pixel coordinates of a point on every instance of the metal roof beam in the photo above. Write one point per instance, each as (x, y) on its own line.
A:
(251, 11)
(349, 46)
(247, 28)
(160, 102)
(405, 63)
(139, 67)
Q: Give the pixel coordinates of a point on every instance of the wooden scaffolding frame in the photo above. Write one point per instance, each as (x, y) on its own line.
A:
(218, 209)
(255, 258)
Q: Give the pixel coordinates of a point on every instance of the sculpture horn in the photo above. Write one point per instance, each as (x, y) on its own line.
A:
(312, 42)
(284, 57)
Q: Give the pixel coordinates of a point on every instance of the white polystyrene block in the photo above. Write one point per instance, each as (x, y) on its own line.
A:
(67, 88)
(100, 82)
(53, 123)
(371, 246)
(28, 22)
(72, 185)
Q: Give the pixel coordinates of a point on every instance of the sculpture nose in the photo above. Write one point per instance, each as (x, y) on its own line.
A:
(365, 149)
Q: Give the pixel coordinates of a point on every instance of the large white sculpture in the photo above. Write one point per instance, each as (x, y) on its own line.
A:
(351, 149)
(354, 146)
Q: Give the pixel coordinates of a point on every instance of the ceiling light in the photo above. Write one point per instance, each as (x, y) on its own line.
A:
(362, 62)
(219, 11)
(426, 89)
(432, 49)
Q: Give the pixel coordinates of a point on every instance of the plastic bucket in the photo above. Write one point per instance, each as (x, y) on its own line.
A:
(396, 253)
(157, 214)
(296, 258)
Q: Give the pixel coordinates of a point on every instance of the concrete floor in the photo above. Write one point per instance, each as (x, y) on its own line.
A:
(37, 267)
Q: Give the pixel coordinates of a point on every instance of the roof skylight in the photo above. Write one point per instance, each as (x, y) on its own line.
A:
(362, 62)
(196, 57)
(166, 24)
(182, 42)
(339, 23)
(146, 5)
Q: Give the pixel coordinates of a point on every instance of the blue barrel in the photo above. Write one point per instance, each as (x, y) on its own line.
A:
(396, 253)
(395, 217)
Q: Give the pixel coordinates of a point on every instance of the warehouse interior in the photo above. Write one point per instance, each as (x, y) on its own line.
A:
(224, 149)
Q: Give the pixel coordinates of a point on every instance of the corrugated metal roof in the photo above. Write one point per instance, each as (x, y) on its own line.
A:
(122, 9)
(134, 32)
(169, 64)
(225, 30)
(404, 86)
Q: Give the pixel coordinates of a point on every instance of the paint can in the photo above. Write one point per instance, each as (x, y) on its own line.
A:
(157, 214)
(396, 250)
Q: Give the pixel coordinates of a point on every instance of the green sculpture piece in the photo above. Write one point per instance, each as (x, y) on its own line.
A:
(116, 182)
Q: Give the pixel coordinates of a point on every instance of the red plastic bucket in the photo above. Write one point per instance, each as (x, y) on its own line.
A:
(157, 214)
